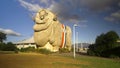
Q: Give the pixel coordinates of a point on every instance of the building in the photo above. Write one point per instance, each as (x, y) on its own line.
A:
(81, 47)
(26, 43)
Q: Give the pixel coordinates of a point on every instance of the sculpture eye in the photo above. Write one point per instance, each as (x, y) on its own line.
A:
(46, 14)
(54, 19)
(42, 17)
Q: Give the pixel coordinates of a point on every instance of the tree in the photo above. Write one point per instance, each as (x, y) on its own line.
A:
(7, 47)
(111, 39)
(104, 42)
(10, 47)
(2, 37)
(2, 46)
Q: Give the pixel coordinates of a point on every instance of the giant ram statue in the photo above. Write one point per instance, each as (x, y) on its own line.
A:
(49, 33)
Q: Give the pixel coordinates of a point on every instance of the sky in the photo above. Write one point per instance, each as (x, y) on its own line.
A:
(93, 17)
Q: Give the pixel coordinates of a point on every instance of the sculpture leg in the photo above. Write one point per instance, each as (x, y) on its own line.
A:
(68, 38)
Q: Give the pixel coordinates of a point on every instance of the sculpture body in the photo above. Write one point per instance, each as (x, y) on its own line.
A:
(49, 33)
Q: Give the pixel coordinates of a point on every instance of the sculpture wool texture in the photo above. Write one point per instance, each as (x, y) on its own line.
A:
(49, 33)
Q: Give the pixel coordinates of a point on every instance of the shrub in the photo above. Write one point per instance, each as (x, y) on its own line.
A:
(2, 46)
(90, 52)
(111, 52)
(114, 56)
(44, 51)
(7, 47)
(28, 49)
(63, 50)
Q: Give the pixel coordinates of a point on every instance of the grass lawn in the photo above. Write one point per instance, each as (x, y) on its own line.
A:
(32, 60)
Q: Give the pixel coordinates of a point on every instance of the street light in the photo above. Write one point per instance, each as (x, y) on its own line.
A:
(77, 42)
(75, 25)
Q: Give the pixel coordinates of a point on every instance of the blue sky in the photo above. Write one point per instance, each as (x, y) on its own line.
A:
(93, 16)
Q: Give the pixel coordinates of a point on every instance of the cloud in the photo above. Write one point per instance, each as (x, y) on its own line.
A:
(114, 17)
(46, 2)
(10, 32)
(76, 10)
(29, 6)
(72, 10)
(111, 19)
(67, 10)
(98, 4)
(64, 11)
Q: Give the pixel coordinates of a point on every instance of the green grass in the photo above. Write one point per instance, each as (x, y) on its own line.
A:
(97, 62)
(7, 52)
(32, 60)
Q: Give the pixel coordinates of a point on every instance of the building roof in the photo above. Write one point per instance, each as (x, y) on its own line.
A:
(30, 40)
